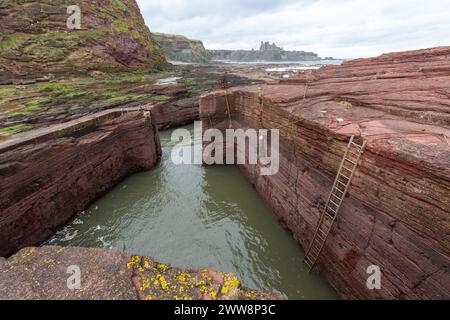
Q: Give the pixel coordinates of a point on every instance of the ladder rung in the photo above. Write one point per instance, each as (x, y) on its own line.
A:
(315, 255)
(334, 204)
(308, 263)
(330, 216)
(353, 160)
(322, 239)
(321, 233)
(342, 184)
(327, 226)
(332, 210)
(327, 230)
(336, 196)
(333, 195)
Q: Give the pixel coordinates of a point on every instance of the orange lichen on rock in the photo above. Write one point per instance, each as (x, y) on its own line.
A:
(112, 275)
(163, 282)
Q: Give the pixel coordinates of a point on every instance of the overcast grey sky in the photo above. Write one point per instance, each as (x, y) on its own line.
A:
(339, 28)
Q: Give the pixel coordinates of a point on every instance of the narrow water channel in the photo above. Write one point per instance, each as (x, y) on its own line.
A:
(197, 217)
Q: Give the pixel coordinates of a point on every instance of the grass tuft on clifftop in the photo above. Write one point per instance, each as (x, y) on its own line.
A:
(35, 41)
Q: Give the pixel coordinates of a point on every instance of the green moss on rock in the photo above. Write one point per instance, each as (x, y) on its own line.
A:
(12, 130)
(35, 41)
(180, 48)
(160, 98)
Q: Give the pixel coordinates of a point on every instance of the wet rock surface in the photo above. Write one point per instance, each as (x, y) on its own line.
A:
(23, 108)
(42, 273)
(396, 215)
(27, 107)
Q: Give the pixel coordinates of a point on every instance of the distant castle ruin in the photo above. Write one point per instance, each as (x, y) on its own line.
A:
(266, 46)
(266, 52)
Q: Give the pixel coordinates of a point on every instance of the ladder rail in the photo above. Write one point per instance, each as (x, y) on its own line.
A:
(340, 168)
(315, 248)
(329, 197)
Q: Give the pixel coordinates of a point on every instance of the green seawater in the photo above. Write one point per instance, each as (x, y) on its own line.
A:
(194, 216)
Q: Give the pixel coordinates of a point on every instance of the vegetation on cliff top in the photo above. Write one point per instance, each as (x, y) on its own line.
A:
(180, 48)
(50, 74)
(26, 106)
(35, 41)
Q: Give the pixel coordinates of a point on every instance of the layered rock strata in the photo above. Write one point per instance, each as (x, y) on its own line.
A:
(42, 274)
(180, 48)
(50, 175)
(396, 215)
(35, 41)
(177, 113)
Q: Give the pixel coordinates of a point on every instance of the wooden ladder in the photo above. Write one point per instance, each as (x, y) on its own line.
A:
(340, 188)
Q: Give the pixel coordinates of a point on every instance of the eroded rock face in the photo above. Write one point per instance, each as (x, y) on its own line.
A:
(177, 113)
(50, 175)
(41, 274)
(35, 40)
(397, 213)
(180, 48)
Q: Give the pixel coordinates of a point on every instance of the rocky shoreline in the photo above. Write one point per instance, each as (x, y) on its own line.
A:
(42, 274)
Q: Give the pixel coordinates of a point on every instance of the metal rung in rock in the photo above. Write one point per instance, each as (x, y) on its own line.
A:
(327, 219)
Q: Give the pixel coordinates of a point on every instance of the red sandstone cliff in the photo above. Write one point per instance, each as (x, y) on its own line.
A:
(397, 213)
(50, 175)
(35, 40)
(175, 114)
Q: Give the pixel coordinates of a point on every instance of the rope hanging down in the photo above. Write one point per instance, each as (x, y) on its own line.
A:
(225, 87)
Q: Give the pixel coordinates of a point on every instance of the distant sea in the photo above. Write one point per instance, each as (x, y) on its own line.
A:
(304, 63)
(315, 64)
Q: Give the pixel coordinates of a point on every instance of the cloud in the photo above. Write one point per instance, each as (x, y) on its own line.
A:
(344, 28)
